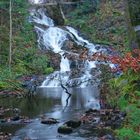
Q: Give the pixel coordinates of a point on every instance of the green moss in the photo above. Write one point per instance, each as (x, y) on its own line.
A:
(105, 24)
(26, 57)
(126, 133)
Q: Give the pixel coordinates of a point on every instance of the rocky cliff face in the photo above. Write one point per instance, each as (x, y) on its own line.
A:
(54, 61)
(55, 14)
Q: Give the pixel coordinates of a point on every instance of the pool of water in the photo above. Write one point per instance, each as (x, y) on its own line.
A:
(51, 102)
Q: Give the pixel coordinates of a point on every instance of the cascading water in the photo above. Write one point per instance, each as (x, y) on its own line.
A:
(40, 18)
(74, 71)
(53, 38)
(79, 40)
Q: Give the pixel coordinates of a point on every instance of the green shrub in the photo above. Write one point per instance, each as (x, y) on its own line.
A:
(127, 134)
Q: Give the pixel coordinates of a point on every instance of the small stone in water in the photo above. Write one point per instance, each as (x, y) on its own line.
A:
(107, 137)
(16, 118)
(49, 121)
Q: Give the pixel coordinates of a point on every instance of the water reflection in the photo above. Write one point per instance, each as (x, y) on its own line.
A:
(81, 97)
(51, 102)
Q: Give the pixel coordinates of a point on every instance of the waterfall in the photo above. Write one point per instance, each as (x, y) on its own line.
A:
(39, 17)
(64, 65)
(81, 41)
(53, 38)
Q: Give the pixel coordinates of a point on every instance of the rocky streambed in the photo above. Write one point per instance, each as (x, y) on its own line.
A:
(51, 113)
(47, 117)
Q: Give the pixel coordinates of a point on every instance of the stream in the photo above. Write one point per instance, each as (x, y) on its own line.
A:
(78, 76)
(51, 102)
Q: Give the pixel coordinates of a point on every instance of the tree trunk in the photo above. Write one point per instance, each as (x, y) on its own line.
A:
(62, 13)
(10, 36)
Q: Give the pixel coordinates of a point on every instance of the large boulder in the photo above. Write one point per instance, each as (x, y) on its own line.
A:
(64, 129)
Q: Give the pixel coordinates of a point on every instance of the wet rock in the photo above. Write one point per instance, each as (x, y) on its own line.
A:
(114, 118)
(3, 120)
(16, 110)
(54, 61)
(15, 118)
(49, 121)
(71, 46)
(26, 121)
(93, 111)
(116, 111)
(107, 113)
(1, 115)
(55, 14)
(102, 112)
(107, 137)
(5, 136)
(83, 132)
(73, 124)
(64, 129)
(108, 123)
(116, 124)
(89, 111)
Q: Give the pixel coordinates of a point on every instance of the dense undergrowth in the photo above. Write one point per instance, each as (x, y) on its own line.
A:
(124, 92)
(27, 59)
(103, 22)
(108, 23)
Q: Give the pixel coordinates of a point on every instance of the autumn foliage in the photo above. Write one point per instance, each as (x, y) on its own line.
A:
(130, 61)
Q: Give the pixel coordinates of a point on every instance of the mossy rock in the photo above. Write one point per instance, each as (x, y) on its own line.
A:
(65, 129)
(73, 124)
(55, 14)
(49, 121)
